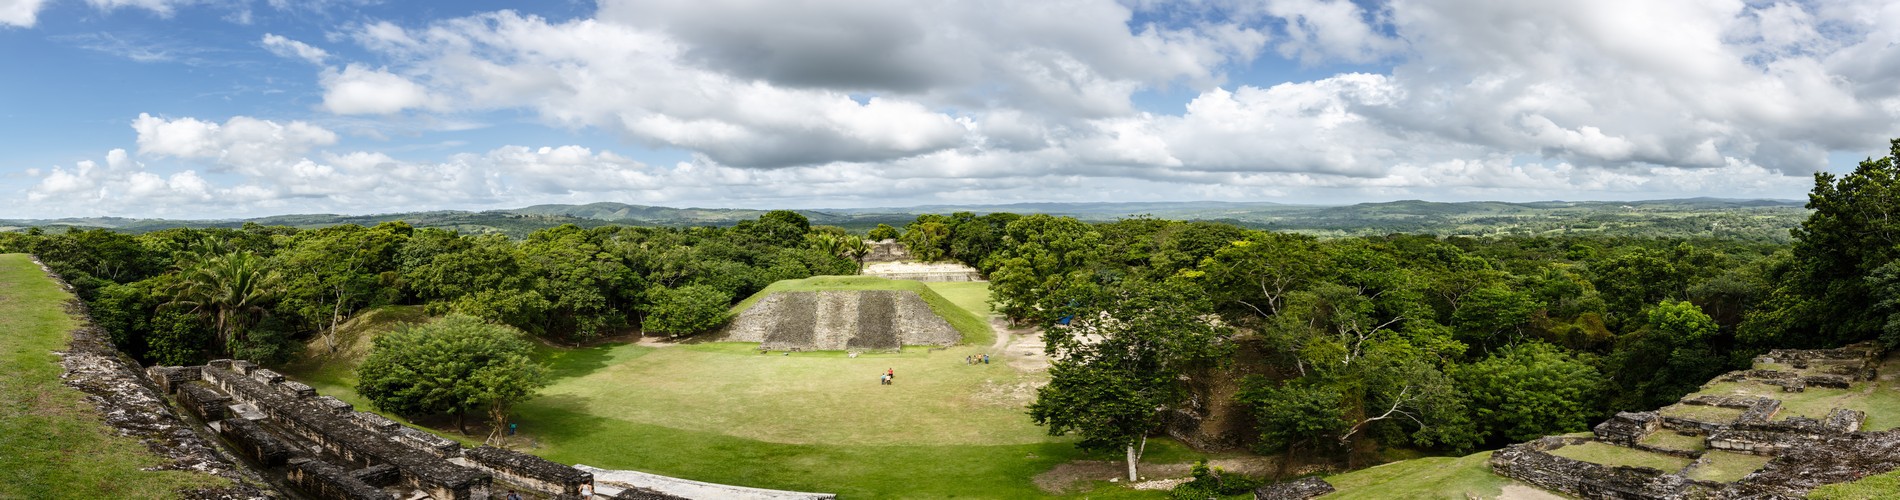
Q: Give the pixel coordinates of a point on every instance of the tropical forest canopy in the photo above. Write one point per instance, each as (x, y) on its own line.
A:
(1342, 345)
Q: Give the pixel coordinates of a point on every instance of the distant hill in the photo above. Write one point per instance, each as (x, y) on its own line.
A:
(1757, 220)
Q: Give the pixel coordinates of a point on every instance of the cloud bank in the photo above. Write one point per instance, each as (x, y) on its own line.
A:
(829, 102)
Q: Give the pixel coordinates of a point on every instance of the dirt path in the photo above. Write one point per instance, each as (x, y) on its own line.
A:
(1522, 492)
(1020, 348)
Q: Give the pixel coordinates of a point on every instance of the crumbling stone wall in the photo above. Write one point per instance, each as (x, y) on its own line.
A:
(134, 406)
(1832, 459)
(1628, 428)
(1807, 452)
(326, 449)
(1298, 489)
(528, 471)
(324, 480)
(289, 410)
(1532, 463)
(886, 251)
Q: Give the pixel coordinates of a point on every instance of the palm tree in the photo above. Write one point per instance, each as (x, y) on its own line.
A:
(854, 248)
(229, 288)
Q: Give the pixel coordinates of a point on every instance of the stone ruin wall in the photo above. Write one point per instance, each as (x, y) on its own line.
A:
(886, 251)
(132, 406)
(1533, 463)
(1806, 453)
(325, 449)
(867, 320)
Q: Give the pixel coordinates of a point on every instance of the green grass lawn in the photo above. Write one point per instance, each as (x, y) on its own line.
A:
(1815, 402)
(1431, 477)
(1670, 440)
(812, 421)
(1608, 454)
(1700, 413)
(54, 444)
(1876, 486)
(1882, 403)
(1725, 467)
(968, 312)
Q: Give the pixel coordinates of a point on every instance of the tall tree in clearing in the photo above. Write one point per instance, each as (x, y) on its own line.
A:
(1117, 365)
(452, 366)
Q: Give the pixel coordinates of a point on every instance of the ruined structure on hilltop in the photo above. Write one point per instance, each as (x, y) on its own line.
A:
(835, 320)
(1738, 418)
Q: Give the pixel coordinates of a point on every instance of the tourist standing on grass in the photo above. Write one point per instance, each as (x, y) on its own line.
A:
(890, 373)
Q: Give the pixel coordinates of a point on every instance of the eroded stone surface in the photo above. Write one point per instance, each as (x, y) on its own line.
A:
(133, 406)
(1807, 452)
(866, 320)
(1298, 489)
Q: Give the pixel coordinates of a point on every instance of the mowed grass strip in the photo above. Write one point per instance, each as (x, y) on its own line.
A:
(1876, 486)
(1724, 467)
(803, 398)
(1431, 477)
(1882, 402)
(969, 314)
(1670, 440)
(53, 444)
(1701, 413)
(1612, 455)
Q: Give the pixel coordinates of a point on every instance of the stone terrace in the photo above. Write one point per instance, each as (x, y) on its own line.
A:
(324, 449)
(1739, 442)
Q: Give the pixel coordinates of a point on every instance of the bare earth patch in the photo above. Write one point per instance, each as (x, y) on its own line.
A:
(1521, 492)
(1021, 347)
(1067, 478)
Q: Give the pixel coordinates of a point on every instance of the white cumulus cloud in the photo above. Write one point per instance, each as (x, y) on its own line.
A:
(285, 47)
(21, 13)
(242, 142)
(360, 90)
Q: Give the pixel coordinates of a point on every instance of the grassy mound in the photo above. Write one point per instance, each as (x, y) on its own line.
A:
(54, 444)
(332, 372)
(968, 311)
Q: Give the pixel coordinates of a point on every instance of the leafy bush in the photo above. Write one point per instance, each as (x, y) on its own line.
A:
(451, 366)
(1212, 482)
(687, 309)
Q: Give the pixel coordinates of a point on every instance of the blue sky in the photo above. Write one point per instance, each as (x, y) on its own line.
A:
(232, 108)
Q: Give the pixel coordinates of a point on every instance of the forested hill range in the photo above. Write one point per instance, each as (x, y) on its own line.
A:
(1750, 220)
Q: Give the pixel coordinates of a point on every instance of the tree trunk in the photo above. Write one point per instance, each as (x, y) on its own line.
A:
(1131, 463)
(461, 422)
(336, 315)
(224, 339)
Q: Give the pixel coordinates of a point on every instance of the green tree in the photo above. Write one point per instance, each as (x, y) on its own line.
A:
(1676, 350)
(1118, 366)
(232, 289)
(1853, 231)
(1526, 391)
(455, 365)
(926, 241)
(333, 271)
(882, 232)
(687, 309)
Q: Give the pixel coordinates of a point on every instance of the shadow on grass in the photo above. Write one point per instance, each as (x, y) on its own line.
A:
(566, 434)
(578, 362)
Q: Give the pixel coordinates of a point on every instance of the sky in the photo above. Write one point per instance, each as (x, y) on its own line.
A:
(241, 108)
